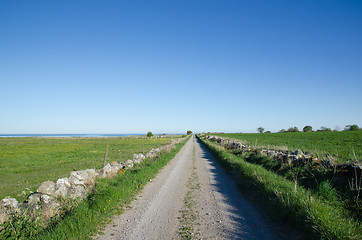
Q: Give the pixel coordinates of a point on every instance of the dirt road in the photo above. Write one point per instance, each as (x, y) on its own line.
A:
(190, 197)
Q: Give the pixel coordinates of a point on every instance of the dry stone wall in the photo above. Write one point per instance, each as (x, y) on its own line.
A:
(50, 195)
(294, 158)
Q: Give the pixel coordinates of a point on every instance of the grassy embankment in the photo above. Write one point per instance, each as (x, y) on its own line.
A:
(320, 213)
(340, 146)
(109, 197)
(27, 162)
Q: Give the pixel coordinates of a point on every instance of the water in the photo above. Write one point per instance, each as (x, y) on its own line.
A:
(67, 135)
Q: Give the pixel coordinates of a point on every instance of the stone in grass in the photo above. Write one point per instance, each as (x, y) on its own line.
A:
(102, 173)
(128, 163)
(62, 187)
(47, 188)
(85, 178)
(34, 201)
(114, 170)
(77, 192)
(109, 170)
(7, 206)
(138, 158)
(49, 206)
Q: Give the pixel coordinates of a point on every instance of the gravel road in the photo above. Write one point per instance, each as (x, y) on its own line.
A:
(191, 196)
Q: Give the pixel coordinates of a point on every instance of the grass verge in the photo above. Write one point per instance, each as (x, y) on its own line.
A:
(309, 212)
(109, 197)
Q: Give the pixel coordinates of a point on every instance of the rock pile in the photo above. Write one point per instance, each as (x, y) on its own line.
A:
(50, 195)
(297, 158)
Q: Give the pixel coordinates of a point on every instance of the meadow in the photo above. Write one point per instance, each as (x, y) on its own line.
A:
(341, 146)
(27, 162)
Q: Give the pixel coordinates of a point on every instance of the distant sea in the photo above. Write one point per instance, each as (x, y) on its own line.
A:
(68, 135)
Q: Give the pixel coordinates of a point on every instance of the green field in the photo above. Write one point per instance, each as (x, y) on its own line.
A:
(338, 145)
(27, 162)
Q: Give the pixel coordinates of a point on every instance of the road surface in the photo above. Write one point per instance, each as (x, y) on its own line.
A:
(193, 197)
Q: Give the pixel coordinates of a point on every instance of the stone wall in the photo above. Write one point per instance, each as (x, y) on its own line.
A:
(50, 196)
(297, 157)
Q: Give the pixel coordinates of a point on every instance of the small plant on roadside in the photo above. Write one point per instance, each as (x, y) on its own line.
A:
(21, 226)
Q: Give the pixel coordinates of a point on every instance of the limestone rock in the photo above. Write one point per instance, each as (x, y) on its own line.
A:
(47, 188)
(84, 178)
(109, 170)
(49, 206)
(129, 163)
(34, 201)
(7, 206)
(138, 158)
(77, 191)
(62, 187)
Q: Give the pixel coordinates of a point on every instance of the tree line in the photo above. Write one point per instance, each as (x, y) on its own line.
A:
(309, 128)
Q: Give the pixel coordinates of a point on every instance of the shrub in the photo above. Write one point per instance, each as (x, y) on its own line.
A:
(149, 134)
(307, 129)
(293, 129)
(353, 127)
(324, 129)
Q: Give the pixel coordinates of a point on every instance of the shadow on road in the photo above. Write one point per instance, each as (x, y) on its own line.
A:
(243, 222)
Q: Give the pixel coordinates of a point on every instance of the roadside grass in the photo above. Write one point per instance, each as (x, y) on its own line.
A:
(331, 187)
(319, 216)
(27, 162)
(341, 146)
(109, 197)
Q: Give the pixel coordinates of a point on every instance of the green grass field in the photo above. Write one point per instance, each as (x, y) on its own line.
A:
(339, 145)
(27, 162)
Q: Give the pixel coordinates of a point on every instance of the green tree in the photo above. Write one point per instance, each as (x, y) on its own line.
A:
(353, 127)
(260, 129)
(189, 132)
(307, 129)
(324, 129)
(293, 129)
(149, 134)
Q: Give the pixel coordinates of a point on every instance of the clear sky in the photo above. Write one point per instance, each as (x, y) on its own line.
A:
(172, 66)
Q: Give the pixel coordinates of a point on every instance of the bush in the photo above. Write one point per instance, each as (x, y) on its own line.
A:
(293, 129)
(189, 132)
(307, 129)
(324, 129)
(149, 134)
(353, 127)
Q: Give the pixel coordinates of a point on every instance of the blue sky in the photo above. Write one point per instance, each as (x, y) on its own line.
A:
(171, 66)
